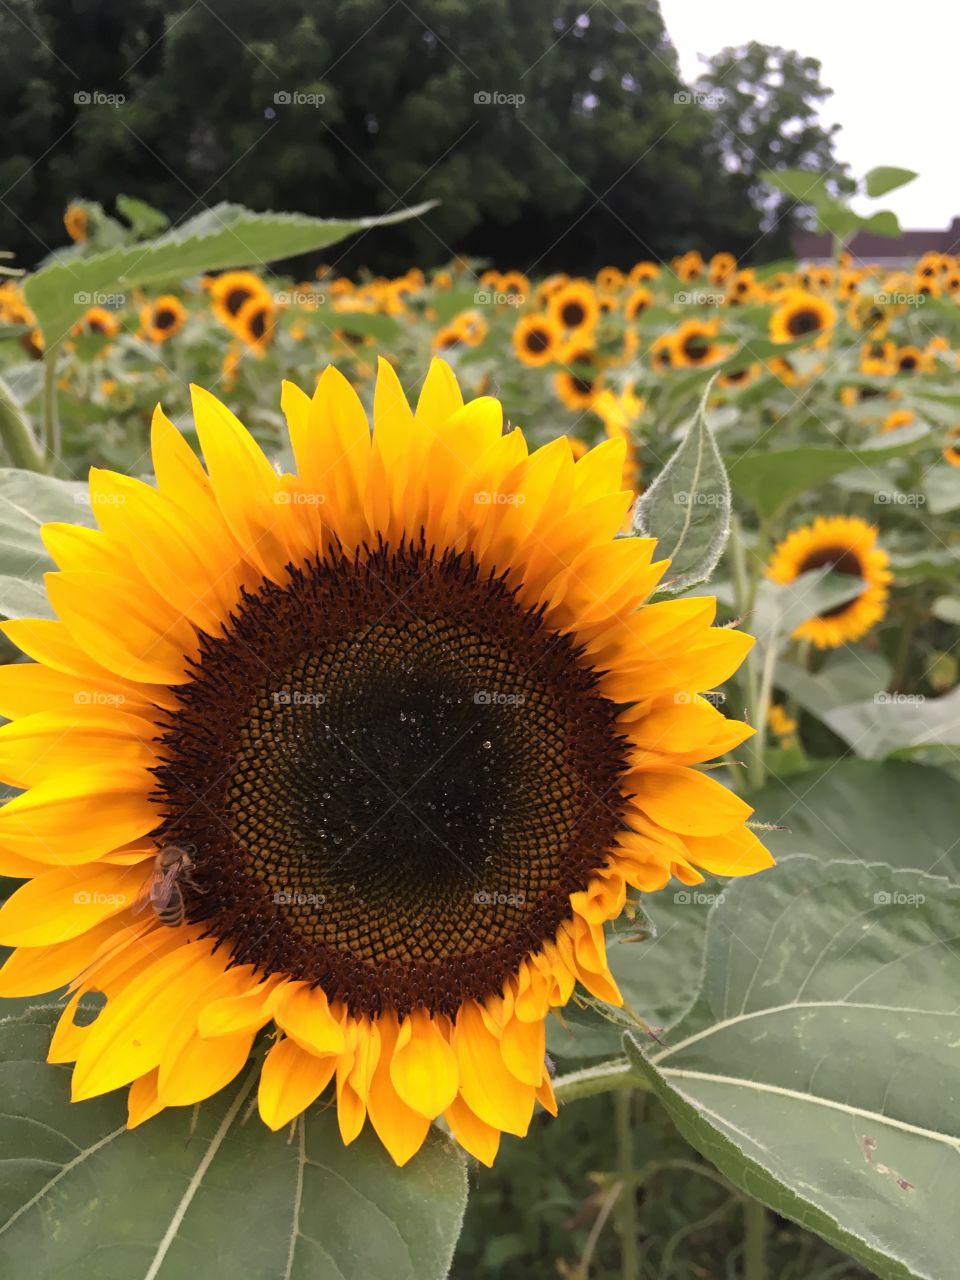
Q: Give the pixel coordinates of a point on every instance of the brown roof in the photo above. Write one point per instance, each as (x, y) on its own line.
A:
(867, 246)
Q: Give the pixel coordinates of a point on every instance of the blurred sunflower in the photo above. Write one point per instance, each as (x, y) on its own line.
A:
(255, 323)
(579, 382)
(75, 221)
(232, 290)
(722, 266)
(803, 315)
(99, 321)
(637, 302)
(574, 306)
(163, 317)
(951, 450)
(693, 343)
(897, 419)
(247, 668)
(911, 360)
(848, 545)
(878, 358)
(537, 340)
(662, 355)
(642, 271)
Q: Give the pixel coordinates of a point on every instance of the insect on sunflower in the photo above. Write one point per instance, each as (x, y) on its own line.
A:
(402, 727)
(848, 545)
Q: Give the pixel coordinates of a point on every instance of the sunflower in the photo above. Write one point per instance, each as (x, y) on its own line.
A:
(722, 266)
(878, 358)
(897, 419)
(98, 321)
(803, 315)
(75, 220)
(738, 378)
(574, 306)
(743, 287)
(662, 354)
(951, 450)
(537, 339)
(641, 271)
(610, 279)
(694, 345)
(162, 318)
(579, 382)
(230, 292)
(912, 360)
(256, 322)
(639, 300)
(849, 546)
(403, 729)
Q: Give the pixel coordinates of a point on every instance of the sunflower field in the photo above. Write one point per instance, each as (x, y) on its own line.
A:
(481, 775)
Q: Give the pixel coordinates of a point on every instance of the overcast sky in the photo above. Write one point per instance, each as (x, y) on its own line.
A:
(894, 70)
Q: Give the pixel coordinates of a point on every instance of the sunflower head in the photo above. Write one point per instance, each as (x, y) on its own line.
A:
(163, 318)
(802, 315)
(231, 291)
(537, 339)
(575, 307)
(361, 757)
(75, 221)
(848, 546)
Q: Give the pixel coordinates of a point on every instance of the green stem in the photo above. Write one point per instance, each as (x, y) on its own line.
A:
(755, 1241)
(759, 744)
(51, 418)
(746, 592)
(627, 1206)
(22, 447)
(618, 1074)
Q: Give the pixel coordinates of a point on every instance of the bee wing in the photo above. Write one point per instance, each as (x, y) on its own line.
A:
(163, 883)
(145, 896)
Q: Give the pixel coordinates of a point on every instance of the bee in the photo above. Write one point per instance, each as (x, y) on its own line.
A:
(172, 866)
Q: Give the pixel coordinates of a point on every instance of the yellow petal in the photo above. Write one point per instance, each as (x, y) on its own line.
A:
(440, 396)
(487, 1087)
(142, 1101)
(480, 1139)
(290, 1080)
(78, 817)
(36, 746)
(424, 1066)
(400, 1128)
(30, 971)
(523, 1046)
(686, 801)
(304, 1014)
(64, 903)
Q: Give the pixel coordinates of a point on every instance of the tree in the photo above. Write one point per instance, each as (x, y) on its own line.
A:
(765, 104)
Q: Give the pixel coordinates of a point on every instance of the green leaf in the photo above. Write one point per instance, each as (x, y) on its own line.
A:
(846, 675)
(901, 722)
(782, 607)
(817, 1066)
(27, 501)
(144, 219)
(883, 223)
(226, 235)
(894, 811)
(886, 178)
(941, 486)
(799, 184)
(947, 609)
(687, 508)
(769, 481)
(84, 1197)
(837, 218)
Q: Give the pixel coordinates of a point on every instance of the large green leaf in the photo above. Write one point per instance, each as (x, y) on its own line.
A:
(687, 508)
(226, 235)
(83, 1197)
(769, 481)
(801, 185)
(27, 501)
(894, 811)
(897, 722)
(819, 1065)
(847, 674)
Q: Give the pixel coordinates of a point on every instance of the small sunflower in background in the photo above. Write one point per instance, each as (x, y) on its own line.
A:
(737, 379)
(951, 450)
(256, 323)
(695, 345)
(642, 271)
(662, 355)
(897, 419)
(163, 317)
(743, 287)
(578, 383)
(878, 359)
(575, 307)
(803, 315)
(637, 301)
(782, 724)
(848, 545)
(537, 340)
(721, 267)
(245, 670)
(232, 290)
(911, 360)
(98, 321)
(76, 222)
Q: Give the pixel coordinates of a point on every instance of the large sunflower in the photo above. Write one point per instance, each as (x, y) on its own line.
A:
(849, 546)
(802, 315)
(402, 727)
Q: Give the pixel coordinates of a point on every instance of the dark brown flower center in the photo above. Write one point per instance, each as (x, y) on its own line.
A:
(840, 560)
(394, 775)
(804, 320)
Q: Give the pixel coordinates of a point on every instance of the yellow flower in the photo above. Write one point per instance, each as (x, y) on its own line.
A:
(162, 318)
(899, 418)
(246, 670)
(951, 450)
(230, 292)
(694, 345)
(849, 546)
(803, 315)
(537, 340)
(75, 221)
(579, 382)
(782, 724)
(574, 306)
(256, 323)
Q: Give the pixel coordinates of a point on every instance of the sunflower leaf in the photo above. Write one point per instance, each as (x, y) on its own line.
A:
(757, 1074)
(226, 235)
(687, 508)
(29, 500)
(886, 178)
(82, 1196)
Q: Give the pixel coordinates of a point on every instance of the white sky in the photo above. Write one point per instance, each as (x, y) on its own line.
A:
(894, 70)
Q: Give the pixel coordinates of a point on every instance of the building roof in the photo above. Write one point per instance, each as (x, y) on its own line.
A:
(867, 246)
